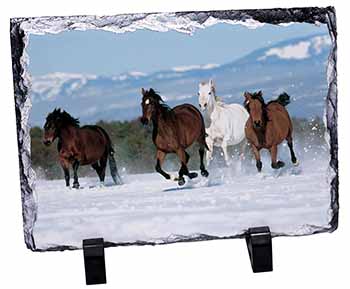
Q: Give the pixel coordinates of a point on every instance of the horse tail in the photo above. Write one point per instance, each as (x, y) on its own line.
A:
(111, 160)
(283, 99)
(113, 168)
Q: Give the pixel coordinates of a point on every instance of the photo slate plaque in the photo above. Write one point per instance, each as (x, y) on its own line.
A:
(156, 128)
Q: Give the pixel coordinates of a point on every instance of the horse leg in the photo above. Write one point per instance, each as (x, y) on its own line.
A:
(191, 175)
(292, 154)
(160, 159)
(75, 174)
(184, 170)
(65, 167)
(187, 157)
(242, 149)
(257, 158)
(204, 172)
(96, 167)
(274, 163)
(224, 149)
(209, 154)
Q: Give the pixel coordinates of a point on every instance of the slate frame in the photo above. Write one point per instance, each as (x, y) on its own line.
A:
(20, 28)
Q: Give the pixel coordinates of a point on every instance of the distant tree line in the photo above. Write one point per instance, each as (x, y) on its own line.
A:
(135, 152)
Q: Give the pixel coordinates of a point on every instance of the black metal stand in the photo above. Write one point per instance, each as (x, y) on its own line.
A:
(259, 243)
(94, 260)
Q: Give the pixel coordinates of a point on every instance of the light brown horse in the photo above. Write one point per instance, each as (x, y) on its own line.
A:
(86, 145)
(174, 130)
(268, 125)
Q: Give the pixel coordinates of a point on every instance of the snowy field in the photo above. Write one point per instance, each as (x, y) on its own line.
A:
(149, 208)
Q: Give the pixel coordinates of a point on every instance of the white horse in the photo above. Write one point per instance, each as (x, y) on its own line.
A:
(224, 122)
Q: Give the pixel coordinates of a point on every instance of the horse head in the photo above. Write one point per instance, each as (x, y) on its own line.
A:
(256, 107)
(55, 121)
(150, 102)
(206, 94)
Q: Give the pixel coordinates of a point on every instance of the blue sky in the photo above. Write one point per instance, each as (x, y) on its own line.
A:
(107, 53)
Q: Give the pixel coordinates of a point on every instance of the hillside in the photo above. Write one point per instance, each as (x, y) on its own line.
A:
(297, 66)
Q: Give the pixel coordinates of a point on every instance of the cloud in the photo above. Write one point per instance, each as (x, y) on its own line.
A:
(296, 51)
(300, 50)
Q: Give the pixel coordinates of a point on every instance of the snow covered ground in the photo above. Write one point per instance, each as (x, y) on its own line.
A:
(149, 208)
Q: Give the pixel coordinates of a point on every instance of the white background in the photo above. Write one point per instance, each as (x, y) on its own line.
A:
(317, 261)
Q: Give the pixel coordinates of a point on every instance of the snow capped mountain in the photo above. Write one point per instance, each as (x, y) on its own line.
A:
(51, 86)
(300, 50)
(194, 67)
(297, 66)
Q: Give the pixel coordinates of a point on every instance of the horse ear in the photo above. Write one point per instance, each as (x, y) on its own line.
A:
(260, 92)
(143, 91)
(211, 83)
(246, 94)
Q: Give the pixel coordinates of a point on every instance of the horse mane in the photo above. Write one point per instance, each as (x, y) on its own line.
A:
(255, 95)
(219, 101)
(65, 118)
(258, 96)
(213, 88)
(165, 110)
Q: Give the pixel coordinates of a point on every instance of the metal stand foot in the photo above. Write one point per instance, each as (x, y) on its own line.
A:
(94, 260)
(259, 243)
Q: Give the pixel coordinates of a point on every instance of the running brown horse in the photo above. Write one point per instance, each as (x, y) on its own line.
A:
(174, 130)
(79, 146)
(268, 125)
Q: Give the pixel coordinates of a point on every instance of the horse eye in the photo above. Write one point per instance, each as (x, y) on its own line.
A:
(209, 92)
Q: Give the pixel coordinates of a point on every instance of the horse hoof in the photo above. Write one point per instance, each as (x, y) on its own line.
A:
(181, 181)
(204, 173)
(75, 186)
(296, 163)
(259, 165)
(192, 175)
(277, 165)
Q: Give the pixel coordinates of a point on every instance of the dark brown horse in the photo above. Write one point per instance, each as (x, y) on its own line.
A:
(86, 145)
(268, 125)
(174, 130)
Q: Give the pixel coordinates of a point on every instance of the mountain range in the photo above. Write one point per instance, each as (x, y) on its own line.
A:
(297, 66)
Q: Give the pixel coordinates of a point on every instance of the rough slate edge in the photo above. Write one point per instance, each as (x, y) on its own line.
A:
(21, 82)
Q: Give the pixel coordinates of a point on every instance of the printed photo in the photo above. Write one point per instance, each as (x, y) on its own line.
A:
(156, 135)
